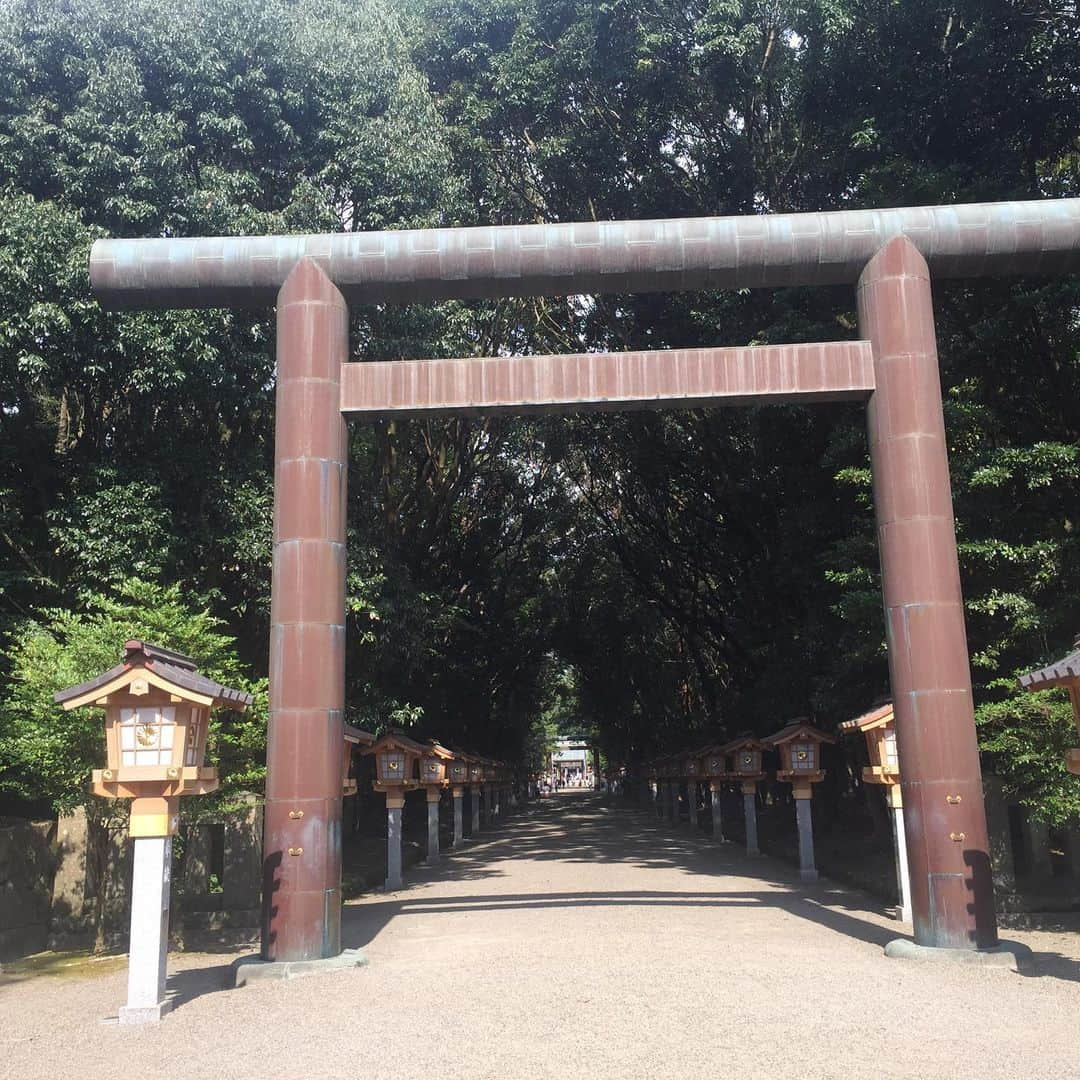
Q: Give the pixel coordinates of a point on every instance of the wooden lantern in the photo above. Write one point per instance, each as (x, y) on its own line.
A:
(458, 769)
(745, 754)
(879, 729)
(353, 737)
(714, 762)
(157, 712)
(433, 764)
(1065, 674)
(799, 745)
(476, 770)
(397, 760)
(692, 766)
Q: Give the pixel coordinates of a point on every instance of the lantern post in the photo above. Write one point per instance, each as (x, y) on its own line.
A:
(157, 713)
(433, 768)
(715, 766)
(879, 728)
(458, 769)
(476, 794)
(692, 772)
(799, 745)
(746, 757)
(397, 760)
(663, 784)
(652, 781)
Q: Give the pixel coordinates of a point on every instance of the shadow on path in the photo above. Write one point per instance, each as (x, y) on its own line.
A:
(581, 827)
(584, 828)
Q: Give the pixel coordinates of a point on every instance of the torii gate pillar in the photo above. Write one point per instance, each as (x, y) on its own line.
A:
(951, 885)
(302, 830)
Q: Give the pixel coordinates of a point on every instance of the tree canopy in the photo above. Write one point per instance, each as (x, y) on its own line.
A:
(667, 577)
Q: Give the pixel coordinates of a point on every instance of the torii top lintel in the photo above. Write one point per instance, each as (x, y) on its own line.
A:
(827, 248)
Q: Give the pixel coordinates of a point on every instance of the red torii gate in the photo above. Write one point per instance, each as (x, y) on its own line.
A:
(889, 253)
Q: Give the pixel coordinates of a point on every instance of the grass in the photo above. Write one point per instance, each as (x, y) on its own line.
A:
(79, 964)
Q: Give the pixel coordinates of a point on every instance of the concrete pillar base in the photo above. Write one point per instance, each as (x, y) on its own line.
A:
(808, 875)
(249, 969)
(1008, 955)
(143, 1014)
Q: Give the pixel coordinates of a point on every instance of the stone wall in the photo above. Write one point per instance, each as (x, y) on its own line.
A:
(26, 875)
(66, 885)
(218, 881)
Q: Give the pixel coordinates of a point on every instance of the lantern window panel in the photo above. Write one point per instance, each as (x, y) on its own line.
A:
(892, 756)
(747, 762)
(191, 751)
(146, 735)
(803, 756)
(393, 766)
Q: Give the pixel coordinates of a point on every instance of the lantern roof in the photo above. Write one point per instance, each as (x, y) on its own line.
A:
(712, 748)
(875, 718)
(394, 740)
(1063, 672)
(167, 670)
(435, 749)
(743, 742)
(696, 752)
(799, 728)
(358, 737)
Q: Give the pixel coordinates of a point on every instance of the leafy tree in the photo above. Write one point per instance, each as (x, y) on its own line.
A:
(702, 573)
(49, 753)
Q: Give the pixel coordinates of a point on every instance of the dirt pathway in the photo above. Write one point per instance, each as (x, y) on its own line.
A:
(581, 940)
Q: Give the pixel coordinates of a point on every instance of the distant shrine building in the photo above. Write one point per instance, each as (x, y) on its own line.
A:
(572, 757)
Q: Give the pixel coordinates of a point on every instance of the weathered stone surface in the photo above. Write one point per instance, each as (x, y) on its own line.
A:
(26, 874)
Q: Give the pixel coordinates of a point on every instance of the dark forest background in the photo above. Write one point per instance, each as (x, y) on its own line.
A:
(653, 579)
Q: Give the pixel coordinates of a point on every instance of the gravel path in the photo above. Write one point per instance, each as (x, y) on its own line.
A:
(581, 940)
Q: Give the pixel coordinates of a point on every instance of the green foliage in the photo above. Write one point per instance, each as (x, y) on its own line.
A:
(699, 573)
(1026, 736)
(48, 753)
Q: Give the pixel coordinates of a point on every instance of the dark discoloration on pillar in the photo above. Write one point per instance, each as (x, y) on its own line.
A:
(302, 836)
(952, 892)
